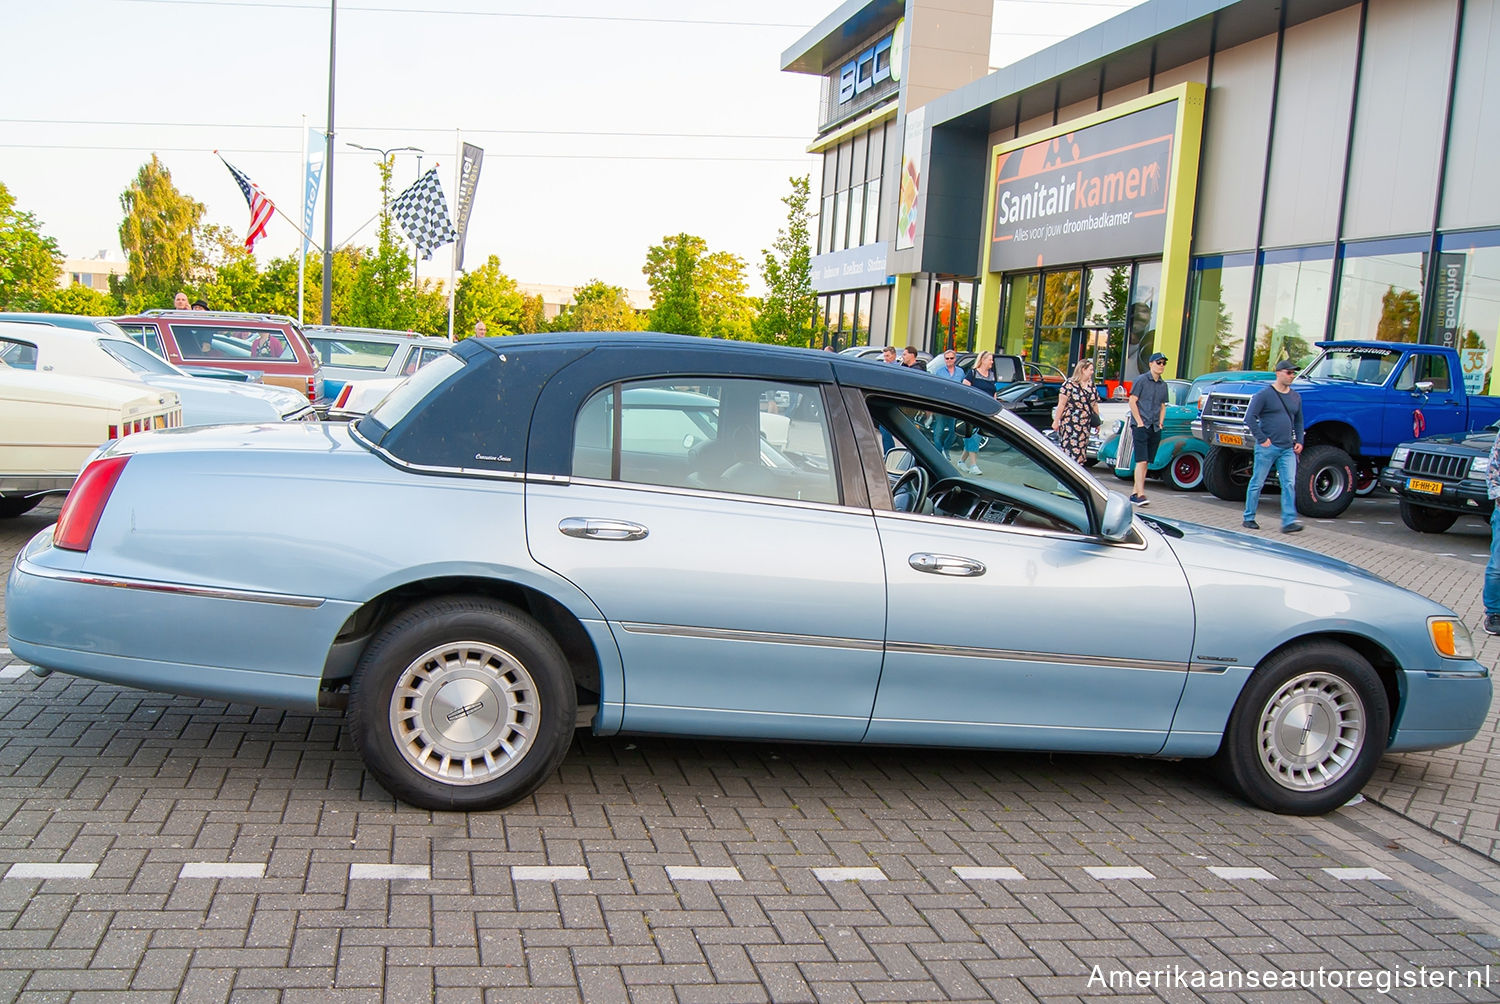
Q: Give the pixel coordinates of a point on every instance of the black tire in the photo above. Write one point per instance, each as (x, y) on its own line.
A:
(1325, 481)
(1425, 519)
(12, 507)
(1307, 730)
(506, 682)
(1226, 473)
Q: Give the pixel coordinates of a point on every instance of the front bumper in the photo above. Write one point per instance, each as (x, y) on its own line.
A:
(1467, 496)
(1229, 435)
(1441, 709)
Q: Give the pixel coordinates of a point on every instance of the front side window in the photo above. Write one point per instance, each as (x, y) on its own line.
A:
(748, 437)
(977, 470)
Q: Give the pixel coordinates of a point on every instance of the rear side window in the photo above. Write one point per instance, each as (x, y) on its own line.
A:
(354, 353)
(747, 437)
(147, 335)
(218, 341)
(17, 355)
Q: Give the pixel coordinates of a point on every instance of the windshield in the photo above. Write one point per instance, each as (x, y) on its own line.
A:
(1361, 364)
(138, 358)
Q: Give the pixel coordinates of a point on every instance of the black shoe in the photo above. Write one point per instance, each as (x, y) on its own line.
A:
(1250, 524)
(1492, 623)
(1293, 528)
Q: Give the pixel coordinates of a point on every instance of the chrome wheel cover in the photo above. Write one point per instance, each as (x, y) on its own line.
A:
(464, 713)
(1329, 483)
(1311, 732)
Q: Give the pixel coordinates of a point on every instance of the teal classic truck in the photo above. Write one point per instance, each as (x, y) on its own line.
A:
(1360, 400)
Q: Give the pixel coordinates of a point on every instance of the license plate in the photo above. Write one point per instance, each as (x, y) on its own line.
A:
(1230, 439)
(1426, 487)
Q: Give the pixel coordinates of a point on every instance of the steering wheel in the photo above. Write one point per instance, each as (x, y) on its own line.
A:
(910, 490)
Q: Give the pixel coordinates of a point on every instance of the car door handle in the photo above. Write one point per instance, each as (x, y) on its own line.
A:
(602, 529)
(945, 564)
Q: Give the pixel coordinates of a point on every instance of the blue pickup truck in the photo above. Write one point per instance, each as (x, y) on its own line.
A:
(1359, 400)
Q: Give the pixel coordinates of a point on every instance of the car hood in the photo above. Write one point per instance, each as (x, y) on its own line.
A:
(1208, 554)
(1479, 441)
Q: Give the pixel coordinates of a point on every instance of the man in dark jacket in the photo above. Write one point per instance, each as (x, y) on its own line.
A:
(1274, 419)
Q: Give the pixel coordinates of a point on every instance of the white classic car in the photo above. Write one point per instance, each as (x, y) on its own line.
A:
(50, 424)
(98, 347)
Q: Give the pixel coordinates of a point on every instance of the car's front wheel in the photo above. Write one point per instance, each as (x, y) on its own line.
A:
(1425, 519)
(462, 703)
(1307, 730)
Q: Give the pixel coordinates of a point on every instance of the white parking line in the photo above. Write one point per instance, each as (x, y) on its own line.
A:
(980, 873)
(1105, 873)
(1358, 874)
(548, 873)
(1259, 874)
(848, 874)
(45, 870)
(14, 672)
(691, 873)
(388, 873)
(221, 870)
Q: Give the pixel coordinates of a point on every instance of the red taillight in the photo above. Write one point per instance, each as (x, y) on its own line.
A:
(114, 432)
(85, 504)
(343, 396)
(312, 389)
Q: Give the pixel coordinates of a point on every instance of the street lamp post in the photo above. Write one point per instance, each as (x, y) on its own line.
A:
(386, 154)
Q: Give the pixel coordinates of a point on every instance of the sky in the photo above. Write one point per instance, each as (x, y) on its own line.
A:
(606, 126)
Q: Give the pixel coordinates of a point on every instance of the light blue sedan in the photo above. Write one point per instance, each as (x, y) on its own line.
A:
(652, 533)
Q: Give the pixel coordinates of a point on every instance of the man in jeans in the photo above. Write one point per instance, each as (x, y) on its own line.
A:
(1492, 570)
(1274, 419)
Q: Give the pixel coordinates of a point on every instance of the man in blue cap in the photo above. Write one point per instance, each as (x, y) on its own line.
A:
(1274, 419)
(1148, 410)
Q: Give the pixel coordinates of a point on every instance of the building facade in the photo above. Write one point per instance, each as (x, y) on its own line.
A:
(1225, 181)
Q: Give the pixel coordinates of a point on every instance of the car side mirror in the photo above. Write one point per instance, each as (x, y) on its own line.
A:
(1119, 514)
(898, 460)
(1424, 386)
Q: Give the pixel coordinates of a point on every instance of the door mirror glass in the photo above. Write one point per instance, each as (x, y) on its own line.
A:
(897, 460)
(1424, 386)
(1118, 515)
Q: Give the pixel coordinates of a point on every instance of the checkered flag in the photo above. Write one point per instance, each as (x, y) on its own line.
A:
(423, 214)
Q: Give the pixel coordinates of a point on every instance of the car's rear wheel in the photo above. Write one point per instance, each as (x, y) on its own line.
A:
(1425, 519)
(12, 507)
(1307, 730)
(462, 703)
(1186, 471)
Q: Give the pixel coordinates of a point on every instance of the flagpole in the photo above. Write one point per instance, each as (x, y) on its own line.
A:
(333, 14)
(458, 162)
(302, 258)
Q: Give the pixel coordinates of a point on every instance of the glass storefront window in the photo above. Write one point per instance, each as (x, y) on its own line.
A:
(1293, 306)
(1140, 322)
(1380, 290)
(1018, 317)
(1221, 287)
(856, 215)
(1466, 311)
(1106, 297)
(872, 211)
(860, 335)
(963, 317)
(841, 220)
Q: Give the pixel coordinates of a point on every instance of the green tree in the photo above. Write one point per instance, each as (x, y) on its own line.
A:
(1284, 341)
(787, 311)
(487, 294)
(157, 236)
(29, 260)
(725, 310)
(74, 299)
(225, 275)
(383, 283)
(675, 295)
(533, 315)
(597, 306)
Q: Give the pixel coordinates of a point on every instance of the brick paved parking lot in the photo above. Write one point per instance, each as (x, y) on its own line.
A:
(161, 848)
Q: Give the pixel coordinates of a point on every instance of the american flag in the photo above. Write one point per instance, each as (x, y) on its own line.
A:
(261, 206)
